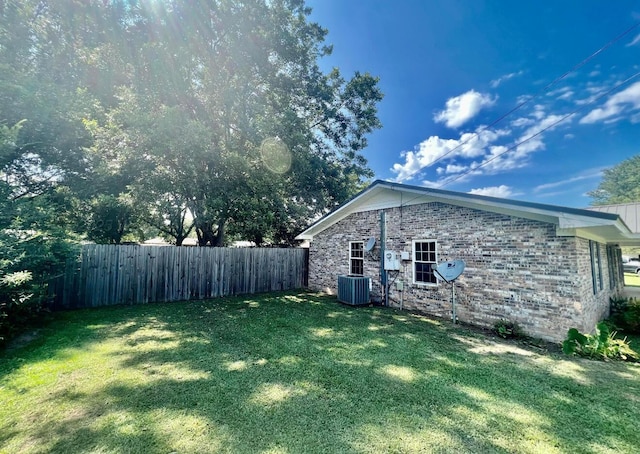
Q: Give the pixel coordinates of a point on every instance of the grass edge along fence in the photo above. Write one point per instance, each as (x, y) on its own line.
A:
(106, 275)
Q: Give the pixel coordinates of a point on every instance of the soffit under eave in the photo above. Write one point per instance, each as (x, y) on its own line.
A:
(603, 234)
(563, 220)
(394, 198)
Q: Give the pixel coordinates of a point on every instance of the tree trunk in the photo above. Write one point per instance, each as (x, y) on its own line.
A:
(219, 241)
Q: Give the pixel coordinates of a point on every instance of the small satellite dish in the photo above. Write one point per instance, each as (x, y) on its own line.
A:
(370, 244)
(450, 270)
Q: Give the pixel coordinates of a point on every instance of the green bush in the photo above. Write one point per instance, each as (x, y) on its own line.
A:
(631, 316)
(625, 314)
(29, 259)
(507, 329)
(601, 345)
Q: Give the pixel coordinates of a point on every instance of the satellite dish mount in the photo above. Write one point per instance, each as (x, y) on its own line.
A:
(449, 271)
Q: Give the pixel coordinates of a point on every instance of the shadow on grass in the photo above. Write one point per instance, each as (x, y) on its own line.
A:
(300, 373)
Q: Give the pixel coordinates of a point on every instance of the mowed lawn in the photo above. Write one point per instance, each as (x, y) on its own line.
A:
(300, 373)
(631, 279)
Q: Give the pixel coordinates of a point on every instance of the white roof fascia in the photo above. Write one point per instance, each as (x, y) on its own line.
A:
(385, 195)
(333, 217)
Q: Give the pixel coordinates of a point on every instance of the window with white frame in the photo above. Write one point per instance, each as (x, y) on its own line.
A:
(356, 258)
(425, 254)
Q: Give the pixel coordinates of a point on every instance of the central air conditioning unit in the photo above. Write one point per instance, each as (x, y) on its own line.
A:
(354, 290)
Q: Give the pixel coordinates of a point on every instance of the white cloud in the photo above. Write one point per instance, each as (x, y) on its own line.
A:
(634, 41)
(538, 112)
(461, 109)
(559, 91)
(593, 173)
(492, 152)
(468, 146)
(585, 101)
(566, 95)
(615, 105)
(546, 122)
(530, 144)
(496, 82)
(503, 158)
(594, 73)
(569, 136)
(451, 168)
(522, 121)
(487, 155)
(494, 191)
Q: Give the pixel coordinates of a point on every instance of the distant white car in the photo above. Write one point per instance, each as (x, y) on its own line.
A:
(632, 266)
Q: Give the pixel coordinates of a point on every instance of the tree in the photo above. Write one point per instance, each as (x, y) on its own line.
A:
(34, 242)
(165, 107)
(620, 184)
(206, 96)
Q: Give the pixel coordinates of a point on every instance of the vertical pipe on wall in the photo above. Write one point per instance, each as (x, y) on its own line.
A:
(453, 301)
(383, 241)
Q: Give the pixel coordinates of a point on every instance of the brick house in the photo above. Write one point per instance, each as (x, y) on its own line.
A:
(549, 268)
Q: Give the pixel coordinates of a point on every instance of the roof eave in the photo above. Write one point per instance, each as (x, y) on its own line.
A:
(566, 219)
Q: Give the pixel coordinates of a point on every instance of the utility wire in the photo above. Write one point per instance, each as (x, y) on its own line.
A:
(539, 93)
(626, 81)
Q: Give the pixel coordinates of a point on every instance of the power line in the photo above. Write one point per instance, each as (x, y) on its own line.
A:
(542, 91)
(626, 81)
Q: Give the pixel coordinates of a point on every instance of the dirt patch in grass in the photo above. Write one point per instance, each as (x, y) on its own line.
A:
(23, 339)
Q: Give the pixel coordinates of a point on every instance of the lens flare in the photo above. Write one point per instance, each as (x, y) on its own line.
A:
(275, 155)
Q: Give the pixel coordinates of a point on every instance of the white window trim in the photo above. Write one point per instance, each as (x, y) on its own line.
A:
(356, 258)
(413, 262)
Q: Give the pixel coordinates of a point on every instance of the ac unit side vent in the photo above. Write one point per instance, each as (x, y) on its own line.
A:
(353, 290)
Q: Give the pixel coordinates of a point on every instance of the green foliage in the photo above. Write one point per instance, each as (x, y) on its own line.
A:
(620, 184)
(33, 239)
(507, 329)
(32, 254)
(626, 314)
(144, 104)
(631, 316)
(110, 219)
(601, 345)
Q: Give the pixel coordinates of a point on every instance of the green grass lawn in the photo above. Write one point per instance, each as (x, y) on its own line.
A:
(299, 373)
(631, 279)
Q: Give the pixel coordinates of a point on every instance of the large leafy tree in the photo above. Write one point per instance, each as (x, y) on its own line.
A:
(160, 111)
(212, 83)
(620, 184)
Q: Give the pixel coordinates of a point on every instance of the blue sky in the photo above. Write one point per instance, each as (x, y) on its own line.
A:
(450, 68)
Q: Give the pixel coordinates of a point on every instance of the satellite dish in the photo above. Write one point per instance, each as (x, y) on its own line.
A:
(450, 270)
(370, 244)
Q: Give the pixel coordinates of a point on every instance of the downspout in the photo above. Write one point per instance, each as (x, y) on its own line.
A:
(383, 272)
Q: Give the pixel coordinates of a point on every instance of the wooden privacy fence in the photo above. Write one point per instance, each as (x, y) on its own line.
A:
(113, 274)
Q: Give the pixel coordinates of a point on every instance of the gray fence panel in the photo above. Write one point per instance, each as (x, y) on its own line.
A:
(117, 274)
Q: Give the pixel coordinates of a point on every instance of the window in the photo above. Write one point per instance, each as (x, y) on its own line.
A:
(356, 258)
(599, 259)
(614, 262)
(424, 255)
(596, 266)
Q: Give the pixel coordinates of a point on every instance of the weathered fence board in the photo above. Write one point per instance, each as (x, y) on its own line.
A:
(107, 274)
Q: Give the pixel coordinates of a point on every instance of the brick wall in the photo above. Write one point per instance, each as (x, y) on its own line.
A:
(516, 269)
